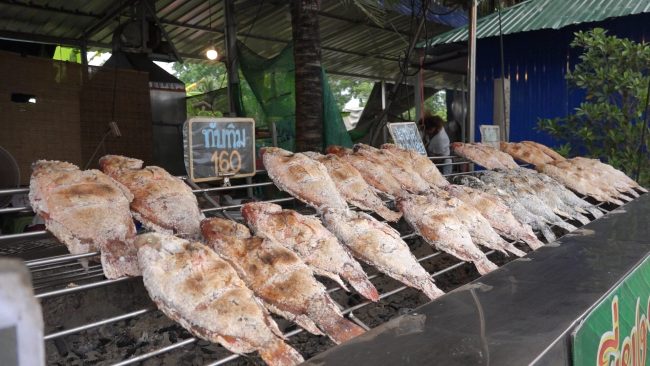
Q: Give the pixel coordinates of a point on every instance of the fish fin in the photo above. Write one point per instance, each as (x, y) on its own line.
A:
(388, 214)
(625, 197)
(533, 242)
(512, 249)
(547, 233)
(564, 225)
(595, 212)
(280, 354)
(484, 266)
(363, 286)
(632, 192)
(639, 188)
(333, 276)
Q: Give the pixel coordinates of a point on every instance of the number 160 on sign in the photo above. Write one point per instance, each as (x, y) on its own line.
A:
(226, 162)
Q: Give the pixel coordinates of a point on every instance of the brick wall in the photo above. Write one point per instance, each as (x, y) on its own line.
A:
(70, 115)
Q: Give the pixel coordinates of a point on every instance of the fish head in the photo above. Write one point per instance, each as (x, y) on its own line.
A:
(110, 164)
(255, 211)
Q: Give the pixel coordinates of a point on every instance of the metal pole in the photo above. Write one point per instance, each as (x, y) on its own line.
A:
(232, 62)
(84, 61)
(471, 74)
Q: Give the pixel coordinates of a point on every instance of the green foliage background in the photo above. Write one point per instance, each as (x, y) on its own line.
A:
(608, 125)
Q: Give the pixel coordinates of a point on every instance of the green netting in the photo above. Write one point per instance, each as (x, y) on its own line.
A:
(272, 86)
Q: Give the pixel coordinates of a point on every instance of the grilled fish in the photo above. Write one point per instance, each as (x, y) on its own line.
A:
(580, 181)
(439, 226)
(497, 213)
(522, 192)
(303, 178)
(380, 246)
(545, 149)
(518, 210)
(162, 202)
(279, 278)
(352, 186)
(192, 285)
(484, 155)
(420, 163)
(374, 174)
(307, 237)
(620, 180)
(526, 153)
(401, 169)
(86, 211)
(478, 226)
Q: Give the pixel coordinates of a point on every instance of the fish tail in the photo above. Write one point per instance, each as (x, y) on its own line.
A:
(564, 225)
(484, 266)
(547, 233)
(595, 212)
(533, 242)
(281, 354)
(512, 249)
(639, 188)
(582, 218)
(329, 319)
(430, 289)
(362, 284)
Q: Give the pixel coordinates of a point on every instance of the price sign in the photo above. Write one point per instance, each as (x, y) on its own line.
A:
(407, 136)
(220, 147)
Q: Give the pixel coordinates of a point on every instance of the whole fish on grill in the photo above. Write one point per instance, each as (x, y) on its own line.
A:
(526, 153)
(420, 163)
(352, 186)
(380, 246)
(478, 226)
(563, 201)
(374, 174)
(303, 178)
(87, 211)
(581, 181)
(193, 286)
(307, 237)
(279, 278)
(161, 202)
(497, 213)
(437, 223)
(522, 192)
(532, 185)
(400, 169)
(484, 155)
(620, 180)
(518, 210)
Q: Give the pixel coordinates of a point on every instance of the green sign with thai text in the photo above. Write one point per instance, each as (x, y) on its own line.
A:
(615, 333)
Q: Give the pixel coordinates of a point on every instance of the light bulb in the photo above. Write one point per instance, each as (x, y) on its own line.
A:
(211, 54)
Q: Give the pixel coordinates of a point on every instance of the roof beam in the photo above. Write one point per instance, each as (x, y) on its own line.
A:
(359, 21)
(49, 8)
(107, 18)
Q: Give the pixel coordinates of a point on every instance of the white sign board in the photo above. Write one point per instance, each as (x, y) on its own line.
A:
(407, 136)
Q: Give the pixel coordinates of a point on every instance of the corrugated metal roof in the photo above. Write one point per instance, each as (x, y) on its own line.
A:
(352, 46)
(544, 14)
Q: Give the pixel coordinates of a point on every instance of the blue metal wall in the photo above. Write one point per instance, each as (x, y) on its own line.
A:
(536, 63)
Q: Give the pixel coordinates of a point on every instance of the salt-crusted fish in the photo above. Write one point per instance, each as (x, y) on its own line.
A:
(309, 239)
(478, 226)
(87, 211)
(162, 202)
(484, 155)
(193, 286)
(544, 149)
(439, 226)
(374, 174)
(380, 246)
(518, 210)
(352, 186)
(620, 180)
(497, 213)
(400, 169)
(526, 197)
(303, 178)
(420, 163)
(279, 278)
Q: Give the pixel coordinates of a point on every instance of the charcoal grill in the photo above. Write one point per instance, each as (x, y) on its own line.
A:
(56, 274)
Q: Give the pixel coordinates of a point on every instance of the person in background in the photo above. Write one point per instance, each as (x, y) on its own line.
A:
(436, 140)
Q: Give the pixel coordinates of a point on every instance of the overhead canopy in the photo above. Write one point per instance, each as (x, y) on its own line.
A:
(543, 14)
(352, 46)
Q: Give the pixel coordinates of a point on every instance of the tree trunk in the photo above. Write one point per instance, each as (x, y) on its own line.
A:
(309, 88)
